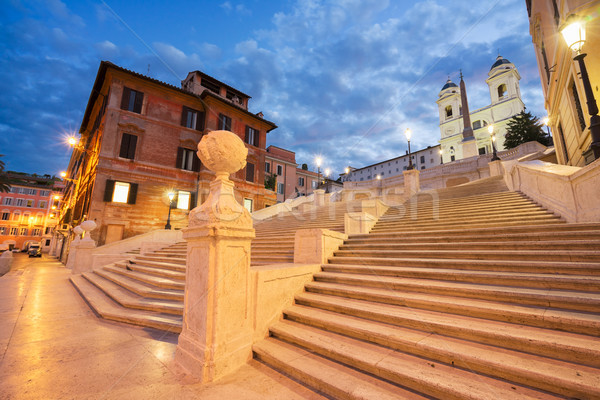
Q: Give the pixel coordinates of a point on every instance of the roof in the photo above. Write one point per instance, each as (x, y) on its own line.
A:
(449, 84)
(99, 82)
(499, 61)
(203, 75)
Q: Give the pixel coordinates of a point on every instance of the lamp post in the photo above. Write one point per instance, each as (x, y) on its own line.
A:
(408, 134)
(441, 156)
(573, 32)
(493, 138)
(171, 196)
(347, 171)
(318, 161)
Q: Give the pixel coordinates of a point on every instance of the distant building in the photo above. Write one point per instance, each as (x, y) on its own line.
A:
(138, 142)
(422, 159)
(505, 94)
(28, 213)
(291, 180)
(565, 98)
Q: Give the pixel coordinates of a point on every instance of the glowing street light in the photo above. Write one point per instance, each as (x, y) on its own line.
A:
(171, 195)
(408, 134)
(72, 141)
(493, 137)
(573, 32)
(318, 161)
(441, 156)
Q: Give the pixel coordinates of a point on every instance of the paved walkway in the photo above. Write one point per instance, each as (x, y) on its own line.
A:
(52, 346)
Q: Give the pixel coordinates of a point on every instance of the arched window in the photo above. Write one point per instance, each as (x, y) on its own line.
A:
(501, 91)
(448, 111)
(477, 124)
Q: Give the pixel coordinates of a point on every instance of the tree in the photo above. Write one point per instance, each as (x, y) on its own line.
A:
(523, 128)
(270, 181)
(4, 185)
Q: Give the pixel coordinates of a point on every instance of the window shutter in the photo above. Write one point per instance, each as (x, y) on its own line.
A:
(256, 137)
(139, 100)
(179, 161)
(125, 98)
(250, 172)
(124, 146)
(247, 139)
(108, 190)
(184, 112)
(200, 121)
(196, 163)
(132, 144)
(133, 188)
(227, 124)
(192, 200)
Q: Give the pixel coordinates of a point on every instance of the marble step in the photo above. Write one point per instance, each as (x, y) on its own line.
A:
(565, 346)
(542, 317)
(165, 264)
(422, 375)
(173, 260)
(139, 288)
(152, 270)
(156, 281)
(128, 299)
(466, 246)
(481, 222)
(110, 310)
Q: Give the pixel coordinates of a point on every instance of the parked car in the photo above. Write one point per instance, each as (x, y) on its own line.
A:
(35, 250)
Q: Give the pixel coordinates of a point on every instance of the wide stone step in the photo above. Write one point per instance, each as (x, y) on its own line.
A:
(451, 217)
(439, 212)
(546, 267)
(479, 222)
(139, 288)
(542, 317)
(158, 264)
(565, 299)
(472, 254)
(563, 378)
(157, 281)
(466, 246)
(564, 346)
(325, 376)
(151, 270)
(128, 299)
(110, 310)
(169, 259)
(430, 378)
(583, 283)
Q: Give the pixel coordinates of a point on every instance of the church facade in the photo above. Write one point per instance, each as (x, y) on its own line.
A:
(505, 95)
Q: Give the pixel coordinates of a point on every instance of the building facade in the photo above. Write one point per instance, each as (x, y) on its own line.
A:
(28, 213)
(291, 181)
(138, 142)
(422, 159)
(505, 95)
(564, 94)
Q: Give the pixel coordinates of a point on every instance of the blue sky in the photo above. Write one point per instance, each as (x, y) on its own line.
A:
(341, 78)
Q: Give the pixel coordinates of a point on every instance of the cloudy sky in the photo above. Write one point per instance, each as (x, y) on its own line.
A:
(341, 78)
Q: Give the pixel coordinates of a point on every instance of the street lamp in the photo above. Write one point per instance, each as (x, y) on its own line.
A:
(347, 171)
(573, 31)
(171, 196)
(546, 121)
(493, 138)
(318, 161)
(408, 134)
(441, 156)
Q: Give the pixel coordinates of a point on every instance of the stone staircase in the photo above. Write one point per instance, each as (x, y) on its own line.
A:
(147, 290)
(474, 293)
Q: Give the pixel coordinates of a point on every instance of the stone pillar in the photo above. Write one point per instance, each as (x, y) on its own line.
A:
(216, 337)
(496, 168)
(319, 197)
(469, 147)
(358, 223)
(73, 248)
(412, 184)
(315, 246)
(84, 249)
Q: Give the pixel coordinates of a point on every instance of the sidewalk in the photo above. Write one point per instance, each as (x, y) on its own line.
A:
(52, 346)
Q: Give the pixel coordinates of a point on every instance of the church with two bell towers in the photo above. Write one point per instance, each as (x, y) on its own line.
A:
(464, 136)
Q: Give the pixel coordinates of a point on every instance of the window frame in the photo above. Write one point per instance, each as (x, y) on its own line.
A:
(128, 146)
(132, 100)
(224, 122)
(183, 160)
(200, 117)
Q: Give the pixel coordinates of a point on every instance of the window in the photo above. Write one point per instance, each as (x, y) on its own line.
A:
(16, 216)
(30, 203)
(577, 103)
(448, 111)
(267, 167)
(252, 136)
(482, 150)
(249, 172)
(128, 144)
(301, 181)
(187, 159)
(14, 231)
(24, 232)
(477, 124)
(8, 201)
(132, 100)
(279, 170)
(2, 230)
(452, 158)
(42, 204)
(422, 159)
(183, 200)
(422, 167)
(224, 122)
(192, 119)
(47, 242)
(248, 204)
(120, 192)
(36, 232)
(44, 193)
(47, 231)
(5, 216)
(14, 190)
(501, 91)
(562, 142)
(280, 188)
(20, 202)
(314, 184)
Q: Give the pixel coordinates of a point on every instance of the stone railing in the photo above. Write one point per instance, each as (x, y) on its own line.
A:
(572, 192)
(287, 206)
